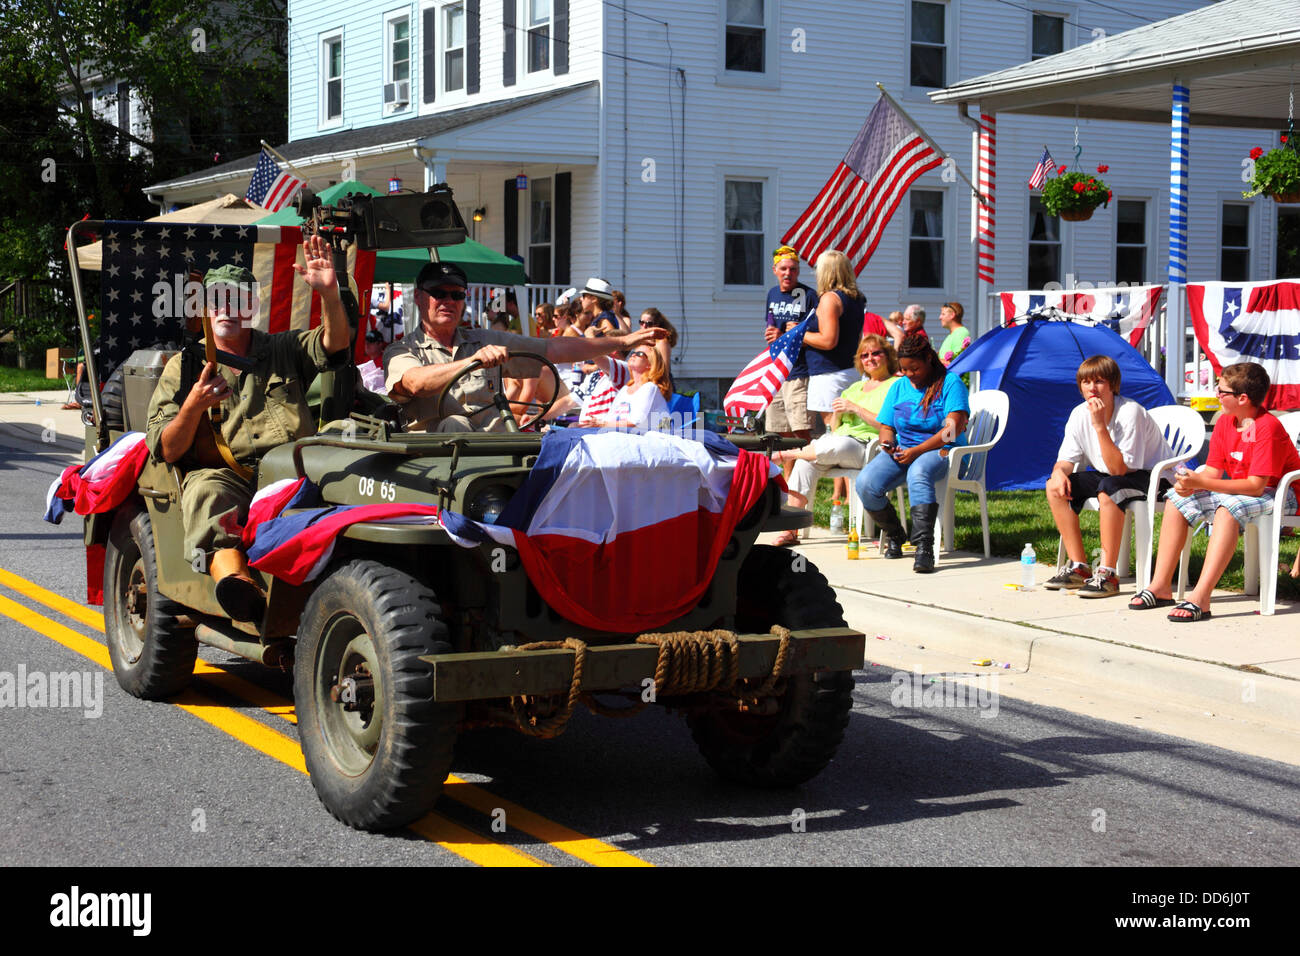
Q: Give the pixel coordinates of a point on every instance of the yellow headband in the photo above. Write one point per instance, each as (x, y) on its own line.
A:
(784, 252)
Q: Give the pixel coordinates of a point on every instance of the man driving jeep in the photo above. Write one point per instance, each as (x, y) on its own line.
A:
(422, 365)
(260, 407)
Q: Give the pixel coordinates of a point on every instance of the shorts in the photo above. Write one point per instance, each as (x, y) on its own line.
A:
(1202, 505)
(788, 412)
(1122, 489)
(828, 386)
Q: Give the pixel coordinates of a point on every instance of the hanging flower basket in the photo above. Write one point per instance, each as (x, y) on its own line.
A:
(1277, 173)
(1074, 196)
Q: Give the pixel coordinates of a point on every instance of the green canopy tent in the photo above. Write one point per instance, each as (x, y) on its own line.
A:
(480, 263)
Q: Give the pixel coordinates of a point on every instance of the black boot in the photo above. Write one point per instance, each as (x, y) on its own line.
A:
(887, 520)
(923, 537)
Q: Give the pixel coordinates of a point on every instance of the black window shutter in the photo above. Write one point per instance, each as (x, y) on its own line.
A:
(429, 59)
(471, 46)
(563, 226)
(561, 10)
(511, 202)
(508, 29)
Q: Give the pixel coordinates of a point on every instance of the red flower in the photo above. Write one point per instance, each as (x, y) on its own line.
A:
(1109, 194)
(1078, 187)
(1061, 171)
(1284, 139)
(1103, 169)
(1256, 153)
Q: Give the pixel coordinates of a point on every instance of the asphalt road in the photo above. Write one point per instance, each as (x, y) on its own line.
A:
(210, 779)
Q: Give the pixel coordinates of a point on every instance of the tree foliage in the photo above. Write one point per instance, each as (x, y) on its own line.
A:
(209, 76)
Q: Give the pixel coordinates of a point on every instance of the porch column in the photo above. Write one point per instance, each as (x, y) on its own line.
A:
(1176, 294)
(982, 216)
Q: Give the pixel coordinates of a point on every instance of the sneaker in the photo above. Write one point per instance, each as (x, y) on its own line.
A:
(1101, 584)
(1069, 577)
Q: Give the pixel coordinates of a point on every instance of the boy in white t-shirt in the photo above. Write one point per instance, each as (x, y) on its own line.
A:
(1118, 439)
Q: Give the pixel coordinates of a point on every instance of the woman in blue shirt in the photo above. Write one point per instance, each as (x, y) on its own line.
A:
(923, 416)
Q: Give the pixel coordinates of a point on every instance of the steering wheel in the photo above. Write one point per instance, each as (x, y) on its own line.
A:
(499, 400)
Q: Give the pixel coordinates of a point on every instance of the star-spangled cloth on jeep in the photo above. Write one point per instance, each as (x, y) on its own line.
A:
(1251, 322)
(296, 547)
(621, 531)
(102, 483)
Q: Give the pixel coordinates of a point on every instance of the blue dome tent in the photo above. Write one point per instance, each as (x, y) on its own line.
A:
(1035, 363)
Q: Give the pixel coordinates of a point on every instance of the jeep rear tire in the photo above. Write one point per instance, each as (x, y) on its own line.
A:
(376, 745)
(152, 654)
(797, 742)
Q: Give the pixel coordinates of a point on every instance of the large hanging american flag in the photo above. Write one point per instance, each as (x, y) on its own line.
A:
(760, 380)
(271, 187)
(146, 291)
(853, 208)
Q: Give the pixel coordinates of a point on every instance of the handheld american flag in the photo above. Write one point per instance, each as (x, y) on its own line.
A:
(759, 381)
(853, 208)
(271, 187)
(1039, 175)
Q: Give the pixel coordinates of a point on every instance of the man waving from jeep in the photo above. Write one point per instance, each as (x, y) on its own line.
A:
(215, 420)
(421, 366)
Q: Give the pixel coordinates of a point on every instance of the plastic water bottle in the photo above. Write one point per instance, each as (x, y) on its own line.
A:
(1027, 561)
(837, 517)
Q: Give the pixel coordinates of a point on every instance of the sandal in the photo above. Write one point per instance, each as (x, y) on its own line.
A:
(1144, 600)
(1194, 612)
(786, 539)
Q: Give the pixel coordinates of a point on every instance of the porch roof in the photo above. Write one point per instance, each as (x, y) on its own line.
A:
(379, 145)
(1237, 58)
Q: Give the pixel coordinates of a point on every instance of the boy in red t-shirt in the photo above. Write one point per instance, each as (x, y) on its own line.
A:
(1250, 451)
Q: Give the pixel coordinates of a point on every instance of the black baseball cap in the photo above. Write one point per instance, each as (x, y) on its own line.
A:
(441, 273)
(374, 336)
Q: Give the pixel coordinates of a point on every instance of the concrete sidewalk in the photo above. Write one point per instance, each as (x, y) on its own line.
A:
(1238, 665)
(1240, 668)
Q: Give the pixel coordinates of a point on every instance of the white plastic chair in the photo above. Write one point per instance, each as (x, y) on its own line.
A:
(857, 516)
(1184, 431)
(1263, 536)
(989, 409)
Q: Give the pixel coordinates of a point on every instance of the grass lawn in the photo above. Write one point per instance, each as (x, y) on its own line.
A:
(28, 380)
(1016, 517)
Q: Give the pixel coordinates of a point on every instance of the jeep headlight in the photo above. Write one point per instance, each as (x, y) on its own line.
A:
(486, 505)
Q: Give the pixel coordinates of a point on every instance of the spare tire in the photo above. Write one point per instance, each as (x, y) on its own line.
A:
(112, 399)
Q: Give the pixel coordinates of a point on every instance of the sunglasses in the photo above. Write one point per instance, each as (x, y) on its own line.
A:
(636, 354)
(456, 295)
(875, 354)
(645, 324)
(1222, 393)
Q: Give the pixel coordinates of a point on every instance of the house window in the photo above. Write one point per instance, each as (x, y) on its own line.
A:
(124, 107)
(1287, 262)
(742, 232)
(1044, 245)
(453, 50)
(540, 234)
(925, 242)
(332, 78)
(397, 54)
(539, 35)
(1234, 243)
(929, 47)
(1048, 35)
(1131, 241)
(745, 36)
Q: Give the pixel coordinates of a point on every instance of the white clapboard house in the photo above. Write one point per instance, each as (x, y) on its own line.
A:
(667, 146)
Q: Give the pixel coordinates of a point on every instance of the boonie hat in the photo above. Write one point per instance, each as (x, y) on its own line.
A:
(234, 275)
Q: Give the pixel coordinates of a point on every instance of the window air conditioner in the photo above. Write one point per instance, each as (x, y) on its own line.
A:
(397, 94)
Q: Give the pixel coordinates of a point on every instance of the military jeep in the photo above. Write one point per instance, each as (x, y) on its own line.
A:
(407, 639)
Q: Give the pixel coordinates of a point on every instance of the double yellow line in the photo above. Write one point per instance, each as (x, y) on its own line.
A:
(446, 833)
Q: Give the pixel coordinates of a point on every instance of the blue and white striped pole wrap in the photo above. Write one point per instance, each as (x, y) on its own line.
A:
(1178, 147)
